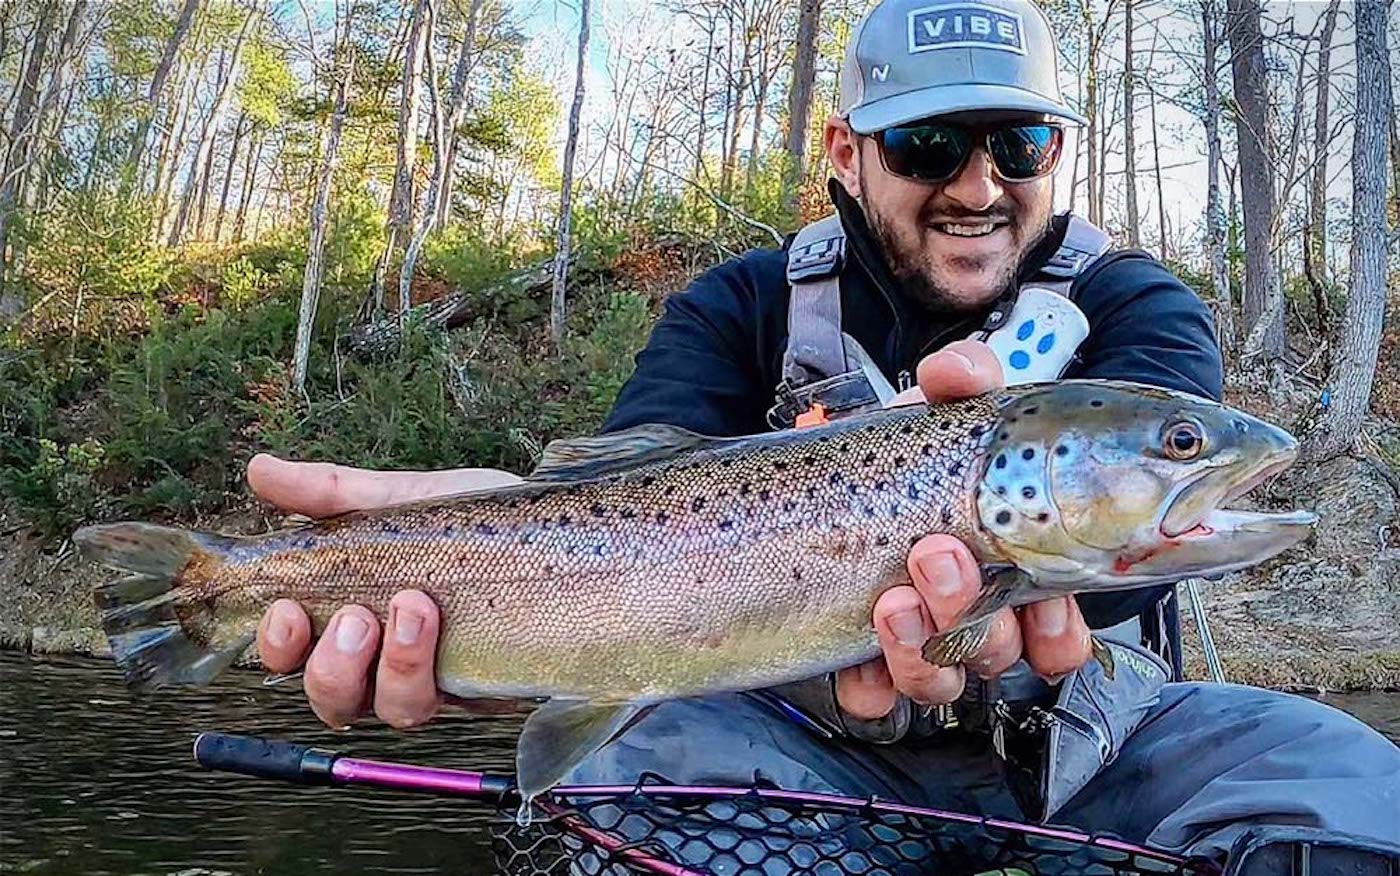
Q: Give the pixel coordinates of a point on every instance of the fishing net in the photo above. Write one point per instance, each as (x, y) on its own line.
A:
(677, 831)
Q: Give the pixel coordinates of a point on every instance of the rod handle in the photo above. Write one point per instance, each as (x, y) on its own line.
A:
(264, 758)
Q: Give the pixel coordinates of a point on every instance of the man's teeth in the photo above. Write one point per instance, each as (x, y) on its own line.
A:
(967, 230)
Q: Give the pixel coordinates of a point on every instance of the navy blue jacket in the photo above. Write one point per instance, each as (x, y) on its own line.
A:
(714, 358)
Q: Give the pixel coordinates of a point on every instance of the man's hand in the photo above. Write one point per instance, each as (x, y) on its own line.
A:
(355, 666)
(1051, 635)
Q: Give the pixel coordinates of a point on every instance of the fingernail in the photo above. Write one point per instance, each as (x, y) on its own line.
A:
(870, 673)
(350, 633)
(1053, 617)
(908, 627)
(407, 626)
(279, 631)
(963, 362)
(942, 573)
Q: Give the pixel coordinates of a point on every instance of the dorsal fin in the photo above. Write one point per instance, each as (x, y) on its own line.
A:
(582, 458)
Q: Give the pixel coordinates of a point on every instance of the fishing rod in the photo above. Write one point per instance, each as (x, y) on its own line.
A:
(806, 827)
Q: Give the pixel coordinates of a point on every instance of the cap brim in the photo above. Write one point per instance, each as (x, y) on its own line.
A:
(942, 99)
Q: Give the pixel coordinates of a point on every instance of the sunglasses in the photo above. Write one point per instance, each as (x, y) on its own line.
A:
(936, 151)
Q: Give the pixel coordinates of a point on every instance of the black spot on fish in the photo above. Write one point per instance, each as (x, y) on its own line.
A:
(1043, 517)
(808, 459)
(1032, 411)
(1028, 492)
(912, 491)
(928, 450)
(726, 525)
(626, 513)
(1062, 450)
(598, 510)
(599, 550)
(881, 486)
(956, 468)
(882, 540)
(868, 459)
(1014, 420)
(947, 516)
(744, 488)
(946, 425)
(549, 568)
(979, 430)
(1003, 517)
(662, 517)
(779, 465)
(764, 495)
(789, 505)
(1003, 436)
(913, 540)
(1028, 453)
(670, 490)
(1001, 460)
(844, 446)
(697, 503)
(725, 463)
(1096, 403)
(448, 531)
(565, 520)
(899, 461)
(811, 492)
(869, 511)
(796, 574)
(1001, 490)
(527, 538)
(852, 489)
(485, 529)
(907, 429)
(391, 528)
(834, 478)
(648, 480)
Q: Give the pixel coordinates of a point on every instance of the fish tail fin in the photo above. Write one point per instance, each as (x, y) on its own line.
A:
(160, 618)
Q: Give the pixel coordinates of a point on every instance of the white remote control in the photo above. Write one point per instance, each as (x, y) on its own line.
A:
(1037, 341)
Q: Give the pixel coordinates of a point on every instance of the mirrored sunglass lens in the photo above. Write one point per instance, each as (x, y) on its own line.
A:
(930, 152)
(1027, 151)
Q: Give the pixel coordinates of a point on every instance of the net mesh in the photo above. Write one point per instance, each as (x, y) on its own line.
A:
(748, 834)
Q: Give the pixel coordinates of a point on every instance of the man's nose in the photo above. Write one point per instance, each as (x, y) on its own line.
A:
(975, 187)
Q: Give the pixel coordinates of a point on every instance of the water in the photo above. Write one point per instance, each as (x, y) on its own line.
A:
(94, 782)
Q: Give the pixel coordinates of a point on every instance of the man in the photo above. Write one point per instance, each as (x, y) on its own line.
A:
(943, 153)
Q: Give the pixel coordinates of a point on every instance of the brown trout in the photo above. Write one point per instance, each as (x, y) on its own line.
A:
(654, 564)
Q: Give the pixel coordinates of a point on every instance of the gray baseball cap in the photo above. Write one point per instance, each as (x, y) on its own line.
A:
(911, 59)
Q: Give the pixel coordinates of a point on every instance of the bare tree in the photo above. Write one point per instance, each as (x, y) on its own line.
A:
(204, 150)
(561, 251)
(430, 194)
(1355, 365)
(1129, 140)
(1316, 250)
(458, 96)
(341, 76)
(22, 126)
(401, 197)
(158, 79)
(240, 128)
(804, 74)
(1215, 217)
(1263, 293)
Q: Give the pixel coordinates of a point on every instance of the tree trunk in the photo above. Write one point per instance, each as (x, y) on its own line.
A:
(699, 171)
(249, 177)
(239, 129)
(206, 175)
(466, 58)
(162, 73)
(401, 197)
(1317, 210)
(203, 153)
(315, 247)
(1355, 368)
(429, 211)
(751, 166)
(1263, 295)
(22, 126)
(1215, 218)
(1129, 141)
(561, 250)
(1157, 171)
(168, 155)
(804, 75)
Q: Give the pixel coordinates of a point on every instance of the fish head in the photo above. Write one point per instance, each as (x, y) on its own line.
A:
(1100, 484)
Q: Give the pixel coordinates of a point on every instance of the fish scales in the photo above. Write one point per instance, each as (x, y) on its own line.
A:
(743, 566)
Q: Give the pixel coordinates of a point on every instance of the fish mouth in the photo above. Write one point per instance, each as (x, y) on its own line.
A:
(1202, 537)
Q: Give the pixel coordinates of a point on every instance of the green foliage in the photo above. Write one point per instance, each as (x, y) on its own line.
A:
(268, 84)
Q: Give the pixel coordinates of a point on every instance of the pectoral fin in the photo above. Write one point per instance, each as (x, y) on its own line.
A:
(958, 644)
(558, 736)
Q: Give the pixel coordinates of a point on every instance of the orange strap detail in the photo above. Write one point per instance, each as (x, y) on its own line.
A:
(813, 416)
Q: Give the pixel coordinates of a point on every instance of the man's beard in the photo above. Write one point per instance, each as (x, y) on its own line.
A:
(910, 267)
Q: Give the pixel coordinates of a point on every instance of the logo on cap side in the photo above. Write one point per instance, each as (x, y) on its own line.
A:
(963, 25)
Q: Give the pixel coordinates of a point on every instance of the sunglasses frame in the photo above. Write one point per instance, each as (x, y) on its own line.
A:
(978, 137)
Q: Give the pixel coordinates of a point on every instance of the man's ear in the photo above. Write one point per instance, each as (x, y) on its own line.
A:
(844, 153)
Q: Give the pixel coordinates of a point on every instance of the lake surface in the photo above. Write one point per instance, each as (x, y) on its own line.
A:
(93, 781)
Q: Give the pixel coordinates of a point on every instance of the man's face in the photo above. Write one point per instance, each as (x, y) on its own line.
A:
(956, 244)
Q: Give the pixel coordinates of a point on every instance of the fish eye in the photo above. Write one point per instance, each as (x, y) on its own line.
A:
(1184, 440)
